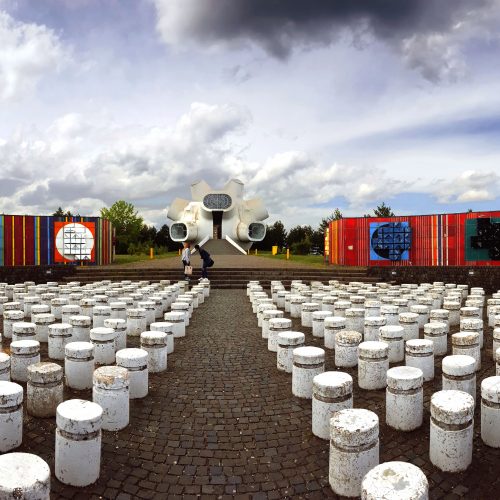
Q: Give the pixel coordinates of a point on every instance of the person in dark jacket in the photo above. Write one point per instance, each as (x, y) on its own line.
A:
(206, 261)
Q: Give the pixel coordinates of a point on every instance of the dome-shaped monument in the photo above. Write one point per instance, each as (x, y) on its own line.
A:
(219, 215)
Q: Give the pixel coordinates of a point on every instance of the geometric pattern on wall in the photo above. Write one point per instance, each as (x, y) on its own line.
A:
(74, 242)
(390, 241)
(482, 239)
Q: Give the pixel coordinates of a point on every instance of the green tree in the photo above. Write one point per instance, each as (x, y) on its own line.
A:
(382, 210)
(61, 213)
(277, 234)
(298, 234)
(335, 215)
(164, 240)
(127, 223)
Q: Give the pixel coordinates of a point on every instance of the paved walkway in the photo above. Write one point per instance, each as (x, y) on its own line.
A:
(222, 423)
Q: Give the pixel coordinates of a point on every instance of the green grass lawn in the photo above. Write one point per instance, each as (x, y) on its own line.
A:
(310, 260)
(128, 259)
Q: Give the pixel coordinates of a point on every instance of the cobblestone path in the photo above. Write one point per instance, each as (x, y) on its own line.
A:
(222, 423)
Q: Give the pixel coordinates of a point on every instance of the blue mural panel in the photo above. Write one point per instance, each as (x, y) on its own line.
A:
(390, 241)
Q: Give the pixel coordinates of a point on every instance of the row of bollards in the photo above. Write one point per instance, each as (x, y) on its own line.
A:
(371, 327)
(86, 328)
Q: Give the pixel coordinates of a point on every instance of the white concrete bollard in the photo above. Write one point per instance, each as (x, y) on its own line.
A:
(332, 326)
(390, 313)
(419, 354)
(136, 362)
(404, 402)
(287, 342)
(346, 348)
(136, 321)
(440, 316)
(467, 343)
(264, 305)
(44, 389)
(372, 308)
(422, 313)
(111, 392)
(24, 476)
(23, 354)
(42, 322)
(451, 430)
(11, 416)
(60, 334)
(120, 328)
(332, 391)
(103, 340)
(373, 363)
(78, 442)
(296, 302)
(87, 307)
(9, 318)
(165, 327)
(155, 344)
(409, 322)
(459, 374)
(318, 322)
(308, 362)
(118, 310)
(99, 314)
(394, 337)
(4, 367)
(372, 327)
(435, 332)
(39, 309)
(355, 319)
(496, 342)
(395, 480)
(490, 411)
(473, 325)
(67, 311)
(30, 301)
(80, 328)
(23, 331)
(306, 313)
(354, 449)
(267, 315)
(79, 364)
(453, 307)
(277, 326)
(177, 319)
(181, 307)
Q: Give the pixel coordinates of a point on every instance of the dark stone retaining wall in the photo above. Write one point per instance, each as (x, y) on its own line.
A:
(38, 274)
(486, 276)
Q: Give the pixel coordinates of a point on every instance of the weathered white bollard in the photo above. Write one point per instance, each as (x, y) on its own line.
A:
(354, 449)
(42, 322)
(287, 342)
(264, 305)
(422, 313)
(393, 336)
(178, 321)
(332, 391)
(155, 344)
(60, 334)
(79, 365)
(99, 314)
(490, 411)
(30, 301)
(391, 314)
(87, 307)
(78, 442)
(467, 343)
(373, 363)
(24, 476)
(11, 416)
(23, 331)
(104, 345)
(4, 367)
(332, 326)
(9, 318)
(306, 313)
(111, 392)
(44, 389)
(473, 325)
(409, 322)
(39, 309)
(118, 310)
(453, 307)
(355, 319)
(318, 322)
(372, 327)
(372, 308)
(459, 374)
(267, 315)
(165, 327)
(419, 354)
(451, 432)
(181, 307)
(23, 354)
(496, 342)
(346, 348)
(80, 328)
(404, 402)
(435, 332)
(136, 362)
(120, 328)
(440, 316)
(395, 480)
(296, 302)
(276, 326)
(308, 362)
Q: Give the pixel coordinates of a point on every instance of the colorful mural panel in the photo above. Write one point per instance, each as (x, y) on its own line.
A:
(31, 240)
(463, 239)
(74, 242)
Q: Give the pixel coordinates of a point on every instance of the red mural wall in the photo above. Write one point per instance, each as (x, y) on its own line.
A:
(462, 239)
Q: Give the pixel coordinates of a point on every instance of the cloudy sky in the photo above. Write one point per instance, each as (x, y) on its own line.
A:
(314, 104)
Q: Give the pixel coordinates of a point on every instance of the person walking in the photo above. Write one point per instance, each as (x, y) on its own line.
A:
(186, 258)
(206, 261)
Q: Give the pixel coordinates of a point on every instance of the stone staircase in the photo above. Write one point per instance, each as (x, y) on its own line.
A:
(225, 277)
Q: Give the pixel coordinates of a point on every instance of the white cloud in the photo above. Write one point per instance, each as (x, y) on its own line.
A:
(28, 51)
(468, 186)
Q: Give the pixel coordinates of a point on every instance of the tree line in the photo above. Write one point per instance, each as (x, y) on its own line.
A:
(133, 236)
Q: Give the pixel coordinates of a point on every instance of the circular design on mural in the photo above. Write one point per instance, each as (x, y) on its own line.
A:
(391, 240)
(75, 241)
(217, 201)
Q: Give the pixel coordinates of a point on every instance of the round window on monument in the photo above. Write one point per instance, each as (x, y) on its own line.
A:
(256, 231)
(178, 231)
(217, 201)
